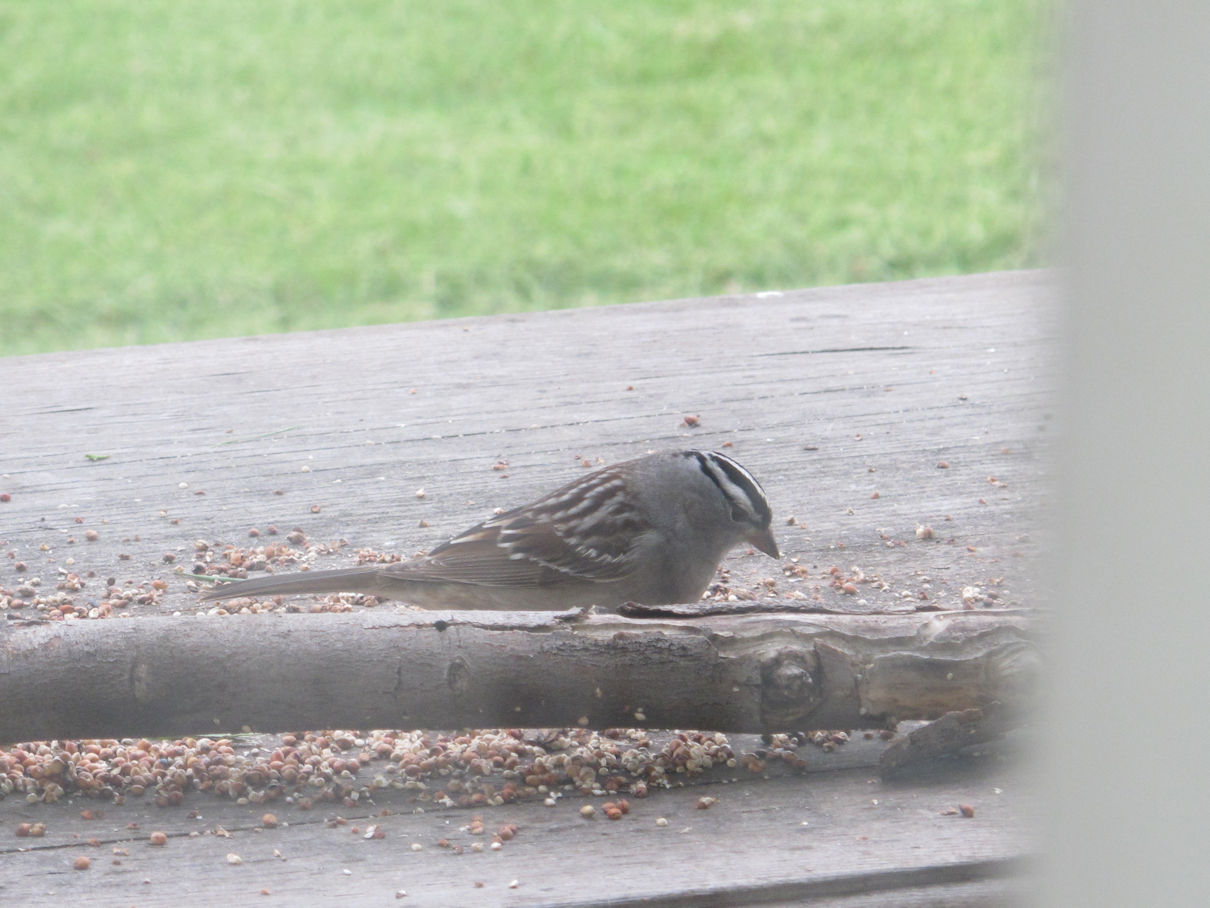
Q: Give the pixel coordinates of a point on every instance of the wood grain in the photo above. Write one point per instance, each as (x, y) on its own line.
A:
(777, 840)
(828, 396)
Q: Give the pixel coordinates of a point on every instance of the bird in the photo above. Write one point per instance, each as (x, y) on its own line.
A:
(650, 531)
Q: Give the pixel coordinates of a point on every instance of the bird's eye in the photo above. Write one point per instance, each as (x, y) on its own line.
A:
(738, 515)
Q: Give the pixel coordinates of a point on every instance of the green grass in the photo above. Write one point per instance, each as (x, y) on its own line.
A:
(172, 171)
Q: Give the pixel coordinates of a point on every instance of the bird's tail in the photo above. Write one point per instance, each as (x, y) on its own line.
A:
(345, 580)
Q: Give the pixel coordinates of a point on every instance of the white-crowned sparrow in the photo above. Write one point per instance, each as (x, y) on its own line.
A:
(650, 530)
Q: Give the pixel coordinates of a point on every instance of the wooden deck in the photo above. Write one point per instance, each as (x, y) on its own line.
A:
(867, 412)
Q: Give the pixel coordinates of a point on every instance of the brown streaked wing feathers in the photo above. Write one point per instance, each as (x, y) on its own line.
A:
(518, 548)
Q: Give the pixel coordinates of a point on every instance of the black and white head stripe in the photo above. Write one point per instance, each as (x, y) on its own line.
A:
(738, 486)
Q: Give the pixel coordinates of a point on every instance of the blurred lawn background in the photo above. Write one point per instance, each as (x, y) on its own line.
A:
(173, 171)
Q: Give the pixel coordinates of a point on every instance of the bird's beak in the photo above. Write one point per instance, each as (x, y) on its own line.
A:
(763, 540)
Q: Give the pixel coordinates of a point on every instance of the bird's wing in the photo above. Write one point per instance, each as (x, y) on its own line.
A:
(531, 546)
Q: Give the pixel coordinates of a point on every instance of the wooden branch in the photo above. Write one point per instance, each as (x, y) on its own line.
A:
(750, 673)
(947, 735)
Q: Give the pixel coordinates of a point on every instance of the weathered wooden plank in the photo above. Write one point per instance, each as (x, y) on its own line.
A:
(827, 395)
(778, 839)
